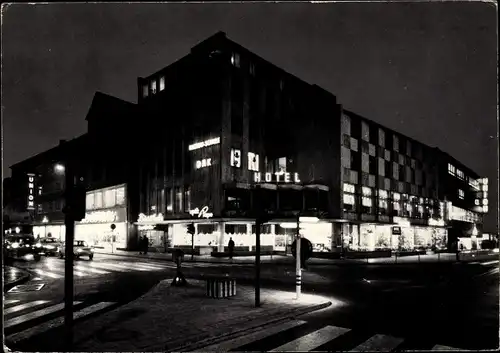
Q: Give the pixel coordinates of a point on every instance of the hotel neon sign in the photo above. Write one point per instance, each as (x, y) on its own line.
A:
(278, 177)
(207, 143)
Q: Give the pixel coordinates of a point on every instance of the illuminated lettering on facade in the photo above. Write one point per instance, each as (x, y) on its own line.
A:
(152, 218)
(31, 192)
(278, 177)
(198, 145)
(203, 213)
(203, 163)
(100, 217)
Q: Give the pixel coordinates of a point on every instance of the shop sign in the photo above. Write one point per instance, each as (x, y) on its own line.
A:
(100, 217)
(203, 163)
(276, 177)
(401, 221)
(396, 230)
(31, 192)
(198, 145)
(152, 218)
(203, 213)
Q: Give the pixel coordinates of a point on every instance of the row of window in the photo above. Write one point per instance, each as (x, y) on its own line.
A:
(385, 194)
(50, 206)
(358, 128)
(151, 87)
(106, 198)
(167, 200)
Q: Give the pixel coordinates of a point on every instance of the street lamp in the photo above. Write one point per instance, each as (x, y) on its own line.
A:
(59, 168)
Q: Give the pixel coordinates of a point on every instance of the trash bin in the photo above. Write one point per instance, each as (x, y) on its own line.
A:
(177, 256)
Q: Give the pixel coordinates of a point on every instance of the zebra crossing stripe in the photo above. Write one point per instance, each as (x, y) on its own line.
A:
(11, 301)
(59, 321)
(47, 273)
(490, 262)
(131, 267)
(79, 274)
(378, 343)
(312, 340)
(243, 340)
(147, 267)
(17, 308)
(33, 315)
(109, 267)
(438, 347)
(154, 264)
(93, 270)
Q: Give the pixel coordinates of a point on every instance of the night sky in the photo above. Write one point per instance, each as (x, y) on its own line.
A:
(427, 70)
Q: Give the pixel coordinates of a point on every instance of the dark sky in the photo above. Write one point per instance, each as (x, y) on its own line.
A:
(428, 70)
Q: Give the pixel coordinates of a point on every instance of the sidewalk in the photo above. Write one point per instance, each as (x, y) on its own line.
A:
(289, 260)
(13, 276)
(173, 318)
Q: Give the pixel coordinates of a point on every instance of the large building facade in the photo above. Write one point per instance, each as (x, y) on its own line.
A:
(220, 125)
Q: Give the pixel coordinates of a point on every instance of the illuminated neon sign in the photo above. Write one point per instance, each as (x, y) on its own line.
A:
(203, 163)
(31, 192)
(276, 177)
(203, 213)
(198, 145)
(100, 217)
(152, 218)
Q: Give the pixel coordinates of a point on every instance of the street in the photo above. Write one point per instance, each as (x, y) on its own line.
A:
(417, 306)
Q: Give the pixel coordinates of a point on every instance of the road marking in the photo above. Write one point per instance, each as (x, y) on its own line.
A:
(109, 267)
(93, 270)
(147, 267)
(438, 347)
(79, 274)
(162, 266)
(489, 272)
(378, 343)
(36, 314)
(490, 262)
(47, 273)
(128, 268)
(24, 306)
(59, 321)
(11, 301)
(37, 279)
(312, 340)
(243, 340)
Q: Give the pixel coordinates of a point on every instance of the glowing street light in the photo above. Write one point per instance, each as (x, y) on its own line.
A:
(59, 168)
(18, 230)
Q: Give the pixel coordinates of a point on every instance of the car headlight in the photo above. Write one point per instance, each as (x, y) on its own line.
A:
(50, 247)
(15, 245)
(78, 250)
(38, 245)
(495, 250)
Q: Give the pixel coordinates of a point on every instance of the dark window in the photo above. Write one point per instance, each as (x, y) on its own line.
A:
(395, 156)
(374, 135)
(347, 141)
(373, 165)
(402, 145)
(356, 128)
(388, 141)
(412, 173)
(408, 161)
(388, 171)
(381, 152)
(355, 160)
(364, 147)
(401, 172)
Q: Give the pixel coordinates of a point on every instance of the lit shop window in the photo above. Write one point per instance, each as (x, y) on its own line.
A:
(109, 198)
(253, 161)
(349, 188)
(89, 201)
(235, 158)
(396, 196)
(366, 201)
(382, 194)
(235, 59)
(153, 86)
(395, 206)
(349, 199)
(461, 194)
(145, 90)
(460, 174)
(98, 199)
(366, 191)
(420, 209)
(476, 202)
(485, 209)
(382, 204)
(162, 83)
(451, 169)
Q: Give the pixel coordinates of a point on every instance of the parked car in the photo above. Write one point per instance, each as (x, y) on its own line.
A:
(22, 247)
(80, 248)
(50, 245)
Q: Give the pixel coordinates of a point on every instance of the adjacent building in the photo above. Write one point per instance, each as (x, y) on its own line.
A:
(220, 125)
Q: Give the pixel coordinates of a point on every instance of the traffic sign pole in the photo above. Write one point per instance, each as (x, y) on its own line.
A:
(68, 261)
(298, 272)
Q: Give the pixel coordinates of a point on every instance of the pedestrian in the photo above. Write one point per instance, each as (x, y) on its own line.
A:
(230, 245)
(146, 244)
(141, 242)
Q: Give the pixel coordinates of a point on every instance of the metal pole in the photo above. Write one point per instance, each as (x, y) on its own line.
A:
(298, 272)
(257, 262)
(68, 264)
(192, 247)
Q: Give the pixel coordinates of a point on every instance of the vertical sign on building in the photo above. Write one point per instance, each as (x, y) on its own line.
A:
(31, 192)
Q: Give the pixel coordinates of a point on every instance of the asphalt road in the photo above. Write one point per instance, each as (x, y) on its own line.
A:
(422, 305)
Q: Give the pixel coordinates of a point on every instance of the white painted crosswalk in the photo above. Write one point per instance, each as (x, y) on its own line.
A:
(23, 320)
(53, 268)
(299, 336)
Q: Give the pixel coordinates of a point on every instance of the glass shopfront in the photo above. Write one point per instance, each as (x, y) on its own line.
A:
(50, 231)
(105, 207)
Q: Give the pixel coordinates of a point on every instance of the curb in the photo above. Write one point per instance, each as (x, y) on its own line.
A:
(204, 340)
(21, 280)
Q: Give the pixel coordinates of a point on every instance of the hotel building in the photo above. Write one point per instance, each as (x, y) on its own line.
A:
(211, 129)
